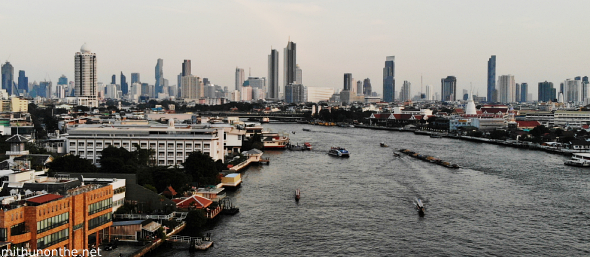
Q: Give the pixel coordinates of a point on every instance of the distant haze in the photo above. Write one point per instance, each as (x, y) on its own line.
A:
(533, 40)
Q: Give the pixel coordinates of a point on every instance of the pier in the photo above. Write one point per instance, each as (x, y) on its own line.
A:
(254, 156)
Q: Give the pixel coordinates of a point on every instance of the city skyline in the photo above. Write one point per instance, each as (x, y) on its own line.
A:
(427, 48)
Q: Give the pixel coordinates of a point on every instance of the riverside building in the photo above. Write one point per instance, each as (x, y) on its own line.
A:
(171, 144)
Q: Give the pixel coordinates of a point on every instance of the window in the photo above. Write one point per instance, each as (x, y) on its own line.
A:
(117, 144)
(99, 144)
(72, 143)
(206, 146)
(152, 145)
(170, 145)
(53, 222)
(100, 220)
(53, 239)
(90, 144)
(179, 145)
(81, 144)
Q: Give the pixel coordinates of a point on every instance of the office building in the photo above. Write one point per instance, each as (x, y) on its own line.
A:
(546, 92)
(517, 94)
(290, 64)
(239, 78)
(506, 89)
(428, 94)
(572, 91)
(359, 88)
(273, 75)
(159, 71)
(86, 77)
(135, 78)
(114, 79)
(186, 68)
(23, 81)
(124, 85)
(406, 91)
(448, 88)
(257, 82)
(524, 91)
(7, 77)
(299, 75)
(347, 81)
(246, 94)
(389, 79)
(367, 89)
(491, 78)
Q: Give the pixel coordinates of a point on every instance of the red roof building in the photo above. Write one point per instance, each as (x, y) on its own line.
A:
(527, 124)
(194, 201)
(43, 199)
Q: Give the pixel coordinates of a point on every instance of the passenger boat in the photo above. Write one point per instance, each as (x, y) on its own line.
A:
(274, 140)
(264, 120)
(297, 194)
(419, 207)
(339, 151)
(296, 147)
(306, 129)
(383, 144)
(579, 160)
(201, 244)
(307, 146)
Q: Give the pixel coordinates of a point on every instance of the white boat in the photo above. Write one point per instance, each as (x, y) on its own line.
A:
(339, 151)
(274, 140)
(419, 206)
(579, 160)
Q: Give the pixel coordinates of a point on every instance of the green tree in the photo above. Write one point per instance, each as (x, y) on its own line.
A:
(195, 219)
(71, 164)
(202, 168)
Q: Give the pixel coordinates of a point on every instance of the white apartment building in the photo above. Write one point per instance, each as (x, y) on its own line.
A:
(317, 94)
(172, 144)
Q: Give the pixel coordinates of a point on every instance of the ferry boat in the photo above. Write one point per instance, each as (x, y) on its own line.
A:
(579, 160)
(272, 140)
(339, 151)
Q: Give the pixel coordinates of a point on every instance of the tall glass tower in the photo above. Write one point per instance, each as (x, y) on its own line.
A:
(273, 75)
(159, 77)
(290, 63)
(491, 78)
(389, 79)
(7, 77)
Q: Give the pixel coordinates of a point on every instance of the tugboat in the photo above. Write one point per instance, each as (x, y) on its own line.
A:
(419, 207)
(297, 195)
(339, 151)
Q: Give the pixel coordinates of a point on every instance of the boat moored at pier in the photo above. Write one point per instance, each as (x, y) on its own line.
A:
(579, 160)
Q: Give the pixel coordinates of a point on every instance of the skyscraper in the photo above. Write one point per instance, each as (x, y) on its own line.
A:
(63, 80)
(135, 78)
(290, 58)
(524, 91)
(114, 79)
(359, 88)
(299, 75)
(239, 78)
(389, 79)
(546, 92)
(23, 81)
(491, 78)
(367, 90)
(7, 77)
(517, 94)
(406, 91)
(506, 89)
(186, 68)
(86, 77)
(124, 85)
(159, 77)
(273, 75)
(347, 81)
(448, 88)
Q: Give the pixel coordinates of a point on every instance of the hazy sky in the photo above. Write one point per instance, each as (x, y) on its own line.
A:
(533, 40)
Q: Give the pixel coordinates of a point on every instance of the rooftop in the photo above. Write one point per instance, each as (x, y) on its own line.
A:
(43, 198)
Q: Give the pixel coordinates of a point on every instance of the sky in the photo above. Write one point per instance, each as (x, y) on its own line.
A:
(533, 40)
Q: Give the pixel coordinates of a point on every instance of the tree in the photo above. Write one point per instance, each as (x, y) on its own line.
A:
(195, 219)
(71, 164)
(539, 131)
(202, 168)
(118, 160)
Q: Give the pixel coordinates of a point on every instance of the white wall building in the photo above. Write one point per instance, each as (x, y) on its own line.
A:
(317, 94)
(172, 144)
(506, 89)
(86, 77)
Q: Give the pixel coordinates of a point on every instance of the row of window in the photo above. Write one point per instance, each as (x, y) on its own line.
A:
(142, 145)
(100, 206)
(53, 222)
(54, 208)
(52, 239)
(119, 190)
(100, 220)
(18, 229)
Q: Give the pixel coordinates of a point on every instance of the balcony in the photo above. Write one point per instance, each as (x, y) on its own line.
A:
(17, 152)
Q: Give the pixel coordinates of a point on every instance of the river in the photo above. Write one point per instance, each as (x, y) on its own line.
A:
(502, 202)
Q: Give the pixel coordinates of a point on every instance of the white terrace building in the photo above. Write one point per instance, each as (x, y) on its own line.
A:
(171, 144)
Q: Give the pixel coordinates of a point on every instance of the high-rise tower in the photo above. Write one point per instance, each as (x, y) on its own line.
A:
(491, 78)
(290, 66)
(159, 77)
(347, 81)
(273, 75)
(389, 79)
(23, 81)
(86, 77)
(186, 68)
(124, 85)
(448, 88)
(367, 90)
(7, 77)
(239, 78)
